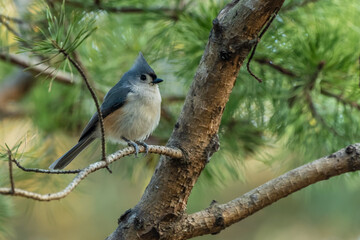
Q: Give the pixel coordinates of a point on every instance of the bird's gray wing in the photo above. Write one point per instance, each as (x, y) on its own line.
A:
(113, 100)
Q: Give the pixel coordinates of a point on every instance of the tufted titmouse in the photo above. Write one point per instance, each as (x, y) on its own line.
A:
(131, 111)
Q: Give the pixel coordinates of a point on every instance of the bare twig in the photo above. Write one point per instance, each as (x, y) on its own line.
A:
(9, 28)
(47, 171)
(315, 113)
(296, 5)
(12, 19)
(172, 13)
(219, 216)
(271, 19)
(340, 99)
(171, 152)
(93, 94)
(33, 67)
(275, 66)
(309, 87)
(11, 177)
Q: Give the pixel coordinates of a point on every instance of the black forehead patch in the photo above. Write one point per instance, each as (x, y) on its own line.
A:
(153, 76)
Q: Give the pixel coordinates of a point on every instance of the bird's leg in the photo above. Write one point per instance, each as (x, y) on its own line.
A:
(144, 145)
(132, 144)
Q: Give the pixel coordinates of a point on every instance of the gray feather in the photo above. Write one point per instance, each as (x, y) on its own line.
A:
(114, 99)
(140, 101)
(71, 154)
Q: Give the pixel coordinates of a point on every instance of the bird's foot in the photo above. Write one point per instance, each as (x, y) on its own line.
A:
(132, 144)
(144, 145)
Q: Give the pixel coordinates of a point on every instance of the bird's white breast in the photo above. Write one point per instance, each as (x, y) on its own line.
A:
(138, 117)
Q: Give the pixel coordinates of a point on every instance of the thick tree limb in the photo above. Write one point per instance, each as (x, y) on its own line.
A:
(233, 35)
(43, 69)
(219, 216)
(174, 153)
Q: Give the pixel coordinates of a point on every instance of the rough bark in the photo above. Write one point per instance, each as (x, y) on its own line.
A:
(220, 216)
(164, 201)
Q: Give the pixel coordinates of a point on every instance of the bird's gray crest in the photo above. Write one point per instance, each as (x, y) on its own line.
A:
(141, 66)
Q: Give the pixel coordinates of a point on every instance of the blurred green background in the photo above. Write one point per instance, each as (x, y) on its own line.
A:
(307, 107)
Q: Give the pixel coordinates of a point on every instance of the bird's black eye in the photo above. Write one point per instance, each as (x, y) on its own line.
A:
(143, 77)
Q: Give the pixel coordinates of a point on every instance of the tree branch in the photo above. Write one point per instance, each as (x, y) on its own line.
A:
(316, 114)
(295, 5)
(12, 19)
(47, 171)
(173, 13)
(171, 152)
(275, 66)
(93, 95)
(36, 68)
(219, 216)
(258, 40)
(9, 28)
(11, 177)
(340, 99)
(233, 35)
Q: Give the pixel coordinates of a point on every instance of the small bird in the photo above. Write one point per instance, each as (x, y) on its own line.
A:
(131, 112)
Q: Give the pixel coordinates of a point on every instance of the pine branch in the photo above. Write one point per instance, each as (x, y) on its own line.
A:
(171, 152)
(172, 13)
(47, 171)
(93, 95)
(8, 27)
(340, 99)
(37, 69)
(219, 216)
(165, 199)
(294, 6)
(11, 177)
(316, 114)
(269, 21)
(12, 19)
(277, 67)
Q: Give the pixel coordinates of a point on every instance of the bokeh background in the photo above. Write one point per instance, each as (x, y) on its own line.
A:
(307, 107)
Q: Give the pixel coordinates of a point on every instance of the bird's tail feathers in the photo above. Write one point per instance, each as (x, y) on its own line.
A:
(65, 159)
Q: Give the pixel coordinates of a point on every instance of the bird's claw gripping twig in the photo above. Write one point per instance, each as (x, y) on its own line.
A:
(132, 144)
(145, 146)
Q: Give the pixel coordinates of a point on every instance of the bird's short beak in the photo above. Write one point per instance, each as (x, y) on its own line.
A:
(156, 81)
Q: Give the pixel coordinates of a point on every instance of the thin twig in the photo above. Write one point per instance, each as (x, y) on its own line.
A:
(275, 66)
(47, 171)
(11, 177)
(171, 152)
(290, 7)
(16, 20)
(93, 94)
(172, 13)
(271, 19)
(340, 99)
(12, 30)
(315, 113)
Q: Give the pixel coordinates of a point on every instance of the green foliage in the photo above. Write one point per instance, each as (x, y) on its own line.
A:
(300, 117)
(62, 37)
(282, 108)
